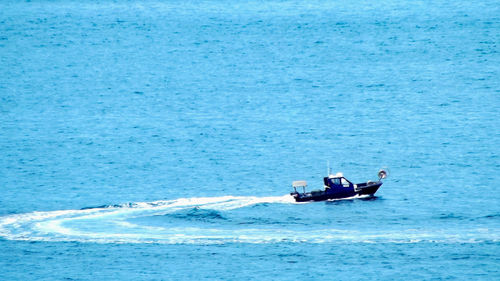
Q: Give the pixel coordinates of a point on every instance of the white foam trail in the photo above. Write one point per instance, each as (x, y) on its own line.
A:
(113, 225)
(110, 224)
(357, 196)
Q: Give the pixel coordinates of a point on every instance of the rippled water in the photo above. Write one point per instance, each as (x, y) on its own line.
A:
(158, 140)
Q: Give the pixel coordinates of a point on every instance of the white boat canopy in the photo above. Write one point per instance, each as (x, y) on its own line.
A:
(299, 183)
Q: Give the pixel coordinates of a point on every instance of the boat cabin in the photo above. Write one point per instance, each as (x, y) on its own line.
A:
(337, 181)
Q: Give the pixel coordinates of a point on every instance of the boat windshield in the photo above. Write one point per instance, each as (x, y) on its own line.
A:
(345, 182)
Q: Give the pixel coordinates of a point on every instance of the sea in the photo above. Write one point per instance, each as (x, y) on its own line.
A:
(158, 140)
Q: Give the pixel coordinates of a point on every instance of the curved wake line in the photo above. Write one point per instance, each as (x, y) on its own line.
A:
(109, 224)
(116, 224)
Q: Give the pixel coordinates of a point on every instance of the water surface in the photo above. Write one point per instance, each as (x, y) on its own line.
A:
(158, 140)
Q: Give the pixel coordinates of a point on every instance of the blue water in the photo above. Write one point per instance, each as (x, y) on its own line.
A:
(150, 140)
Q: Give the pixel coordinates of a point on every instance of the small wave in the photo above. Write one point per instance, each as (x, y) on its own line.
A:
(96, 207)
(452, 216)
(198, 214)
(491, 216)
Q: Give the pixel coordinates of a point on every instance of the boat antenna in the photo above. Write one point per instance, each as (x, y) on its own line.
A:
(328, 170)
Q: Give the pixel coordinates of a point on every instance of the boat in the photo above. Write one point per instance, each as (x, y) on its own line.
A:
(337, 187)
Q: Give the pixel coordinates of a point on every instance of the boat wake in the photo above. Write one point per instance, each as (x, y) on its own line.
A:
(206, 220)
